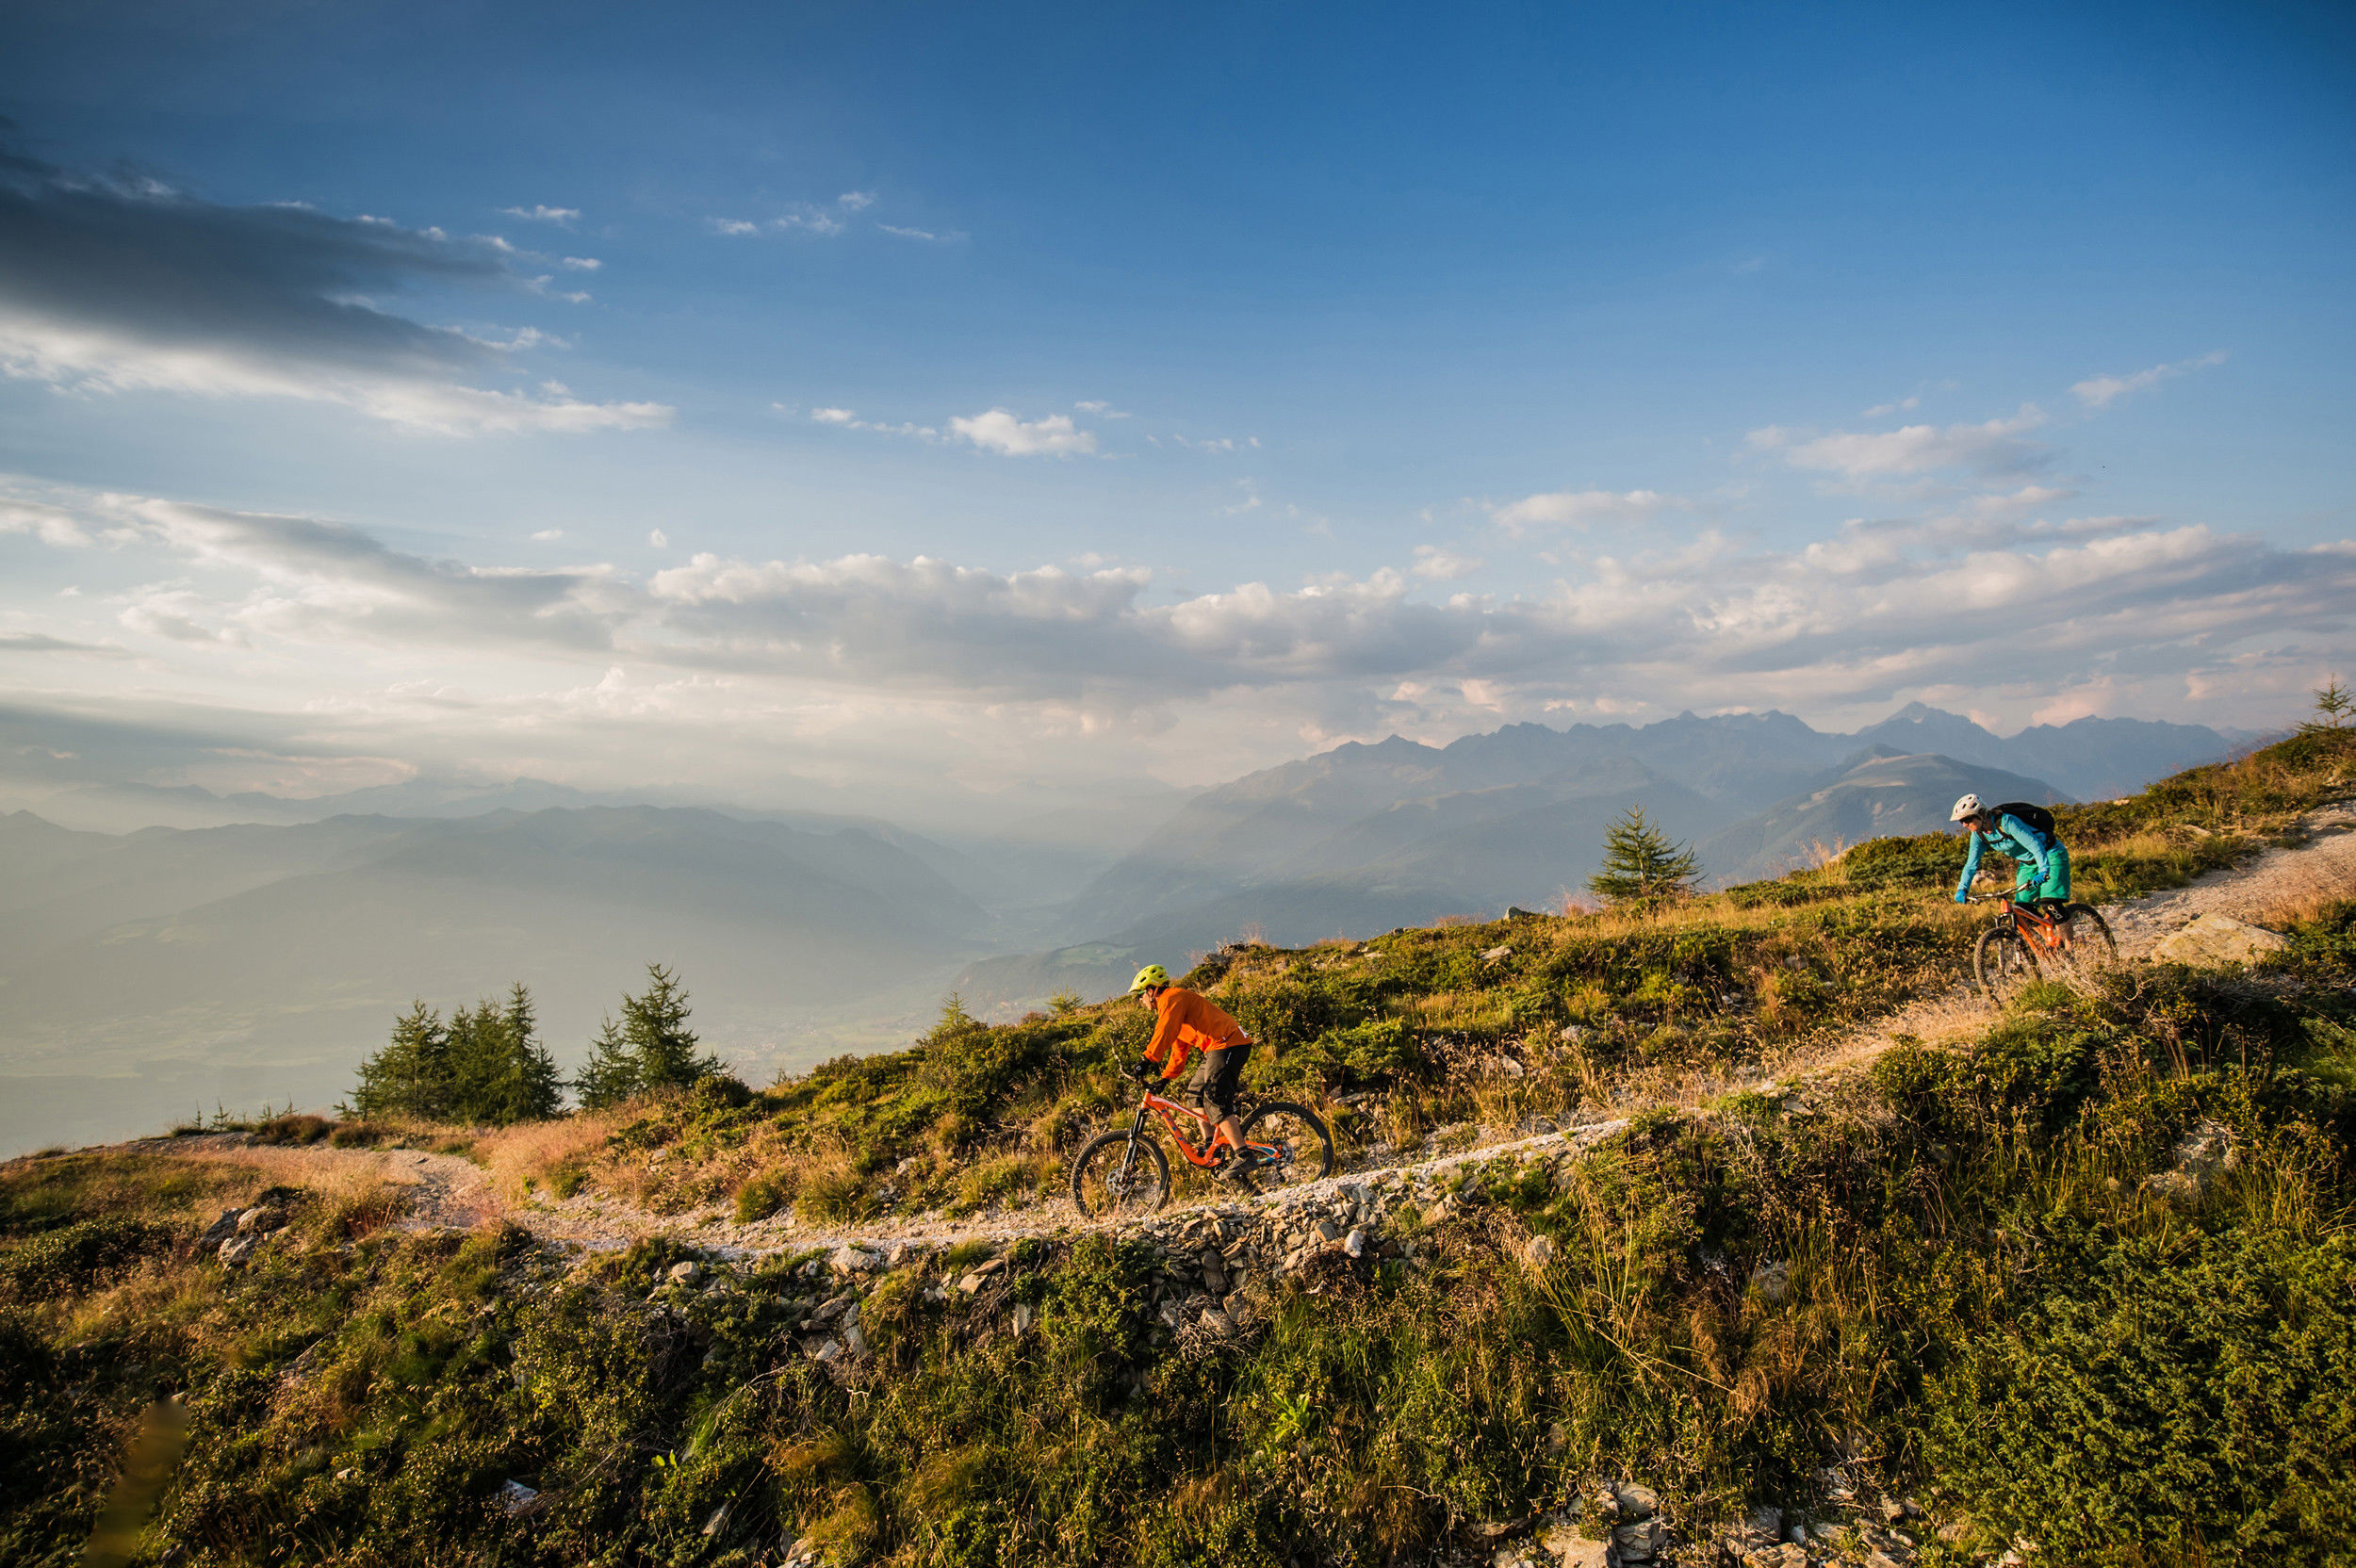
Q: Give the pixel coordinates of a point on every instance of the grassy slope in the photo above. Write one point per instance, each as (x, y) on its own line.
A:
(1969, 1275)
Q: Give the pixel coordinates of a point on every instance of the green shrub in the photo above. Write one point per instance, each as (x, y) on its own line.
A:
(763, 1195)
(1927, 860)
(2325, 946)
(997, 1181)
(2193, 1396)
(294, 1130)
(70, 1260)
(1373, 1052)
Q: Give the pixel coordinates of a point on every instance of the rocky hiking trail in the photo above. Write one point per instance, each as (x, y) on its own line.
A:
(448, 1191)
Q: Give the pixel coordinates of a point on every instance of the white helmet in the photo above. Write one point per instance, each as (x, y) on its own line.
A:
(1967, 808)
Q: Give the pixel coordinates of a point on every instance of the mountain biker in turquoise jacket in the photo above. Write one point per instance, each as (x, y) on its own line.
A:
(2041, 862)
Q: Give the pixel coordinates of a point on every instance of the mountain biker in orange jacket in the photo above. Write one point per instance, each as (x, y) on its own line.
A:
(1185, 1024)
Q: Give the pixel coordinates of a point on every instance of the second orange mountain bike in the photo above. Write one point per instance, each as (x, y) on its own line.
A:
(2030, 943)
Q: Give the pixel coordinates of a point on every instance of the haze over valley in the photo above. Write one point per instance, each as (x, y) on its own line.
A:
(154, 974)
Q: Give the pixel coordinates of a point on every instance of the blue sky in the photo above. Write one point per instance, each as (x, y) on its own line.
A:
(990, 398)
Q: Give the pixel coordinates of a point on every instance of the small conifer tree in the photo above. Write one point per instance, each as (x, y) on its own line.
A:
(610, 1075)
(656, 1026)
(410, 1076)
(533, 1088)
(2336, 704)
(651, 1047)
(1642, 863)
(502, 1074)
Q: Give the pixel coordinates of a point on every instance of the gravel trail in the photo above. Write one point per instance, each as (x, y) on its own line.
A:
(448, 1191)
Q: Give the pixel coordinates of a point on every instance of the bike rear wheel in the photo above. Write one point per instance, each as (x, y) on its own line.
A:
(1307, 1148)
(1120, 1175)
(2003, 962)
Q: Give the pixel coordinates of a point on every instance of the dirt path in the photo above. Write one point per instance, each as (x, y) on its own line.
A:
(446, 1191)
(2323, 867)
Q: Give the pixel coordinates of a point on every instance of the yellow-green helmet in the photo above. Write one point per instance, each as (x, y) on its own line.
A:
(1152, 974)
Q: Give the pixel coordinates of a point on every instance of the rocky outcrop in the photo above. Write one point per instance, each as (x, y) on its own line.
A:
(2214, 938)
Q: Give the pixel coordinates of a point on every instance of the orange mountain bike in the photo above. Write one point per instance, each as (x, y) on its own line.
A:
(2031, 943)
(1123, 1174)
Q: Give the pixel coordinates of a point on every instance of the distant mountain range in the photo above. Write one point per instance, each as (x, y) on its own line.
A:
(1883, 794)
(1364, 838)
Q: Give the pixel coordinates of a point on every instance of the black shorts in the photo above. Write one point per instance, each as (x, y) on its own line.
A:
(1218, 1077)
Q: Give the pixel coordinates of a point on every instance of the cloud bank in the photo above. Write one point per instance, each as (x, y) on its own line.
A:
(723, 653)
(112, 286)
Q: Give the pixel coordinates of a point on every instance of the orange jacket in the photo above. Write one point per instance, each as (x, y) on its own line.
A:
(1186, 1023)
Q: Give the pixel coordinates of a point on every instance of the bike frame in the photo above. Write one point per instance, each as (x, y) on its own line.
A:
(2033, 925)
(2036, 926)
(1205, 1155)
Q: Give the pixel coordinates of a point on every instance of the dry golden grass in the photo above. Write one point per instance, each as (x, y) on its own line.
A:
(521, 1158)
(334, 1176)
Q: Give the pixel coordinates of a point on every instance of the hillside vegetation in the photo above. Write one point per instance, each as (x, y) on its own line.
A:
(2086, 1280)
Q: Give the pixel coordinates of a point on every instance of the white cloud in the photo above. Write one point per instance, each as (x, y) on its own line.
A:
(51, 525)
(855, 200)
(810, 221)
(548, 535)
(1995, 446)
(843, 418)
(2101, 391)
(564, 217)
(92, 360)
(1000, 430)
(1903, 405)
(584, 264)
(170, 612)
(1581, 509)
(659, 539)
(732, 226)
(948, 237)
(1435, 564)
(1101, 409)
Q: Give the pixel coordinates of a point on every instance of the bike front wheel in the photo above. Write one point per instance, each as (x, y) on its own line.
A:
(2003, 963)
(1120, 1175)
(1304, 1149)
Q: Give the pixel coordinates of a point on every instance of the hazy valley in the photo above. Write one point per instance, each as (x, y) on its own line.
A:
(154, 974)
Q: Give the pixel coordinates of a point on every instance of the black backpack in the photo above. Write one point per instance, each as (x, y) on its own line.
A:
(2036, 816)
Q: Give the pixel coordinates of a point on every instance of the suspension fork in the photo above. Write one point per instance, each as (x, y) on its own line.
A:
(1129, 1149)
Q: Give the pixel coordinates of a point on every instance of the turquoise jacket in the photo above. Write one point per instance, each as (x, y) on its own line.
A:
(2012, 837)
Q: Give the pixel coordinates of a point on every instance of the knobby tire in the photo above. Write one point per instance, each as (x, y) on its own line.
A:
(1312, 1145)
(1101, 1159)
(2003, 962)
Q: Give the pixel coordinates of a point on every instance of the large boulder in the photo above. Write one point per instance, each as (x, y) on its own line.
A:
(2217, 939)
